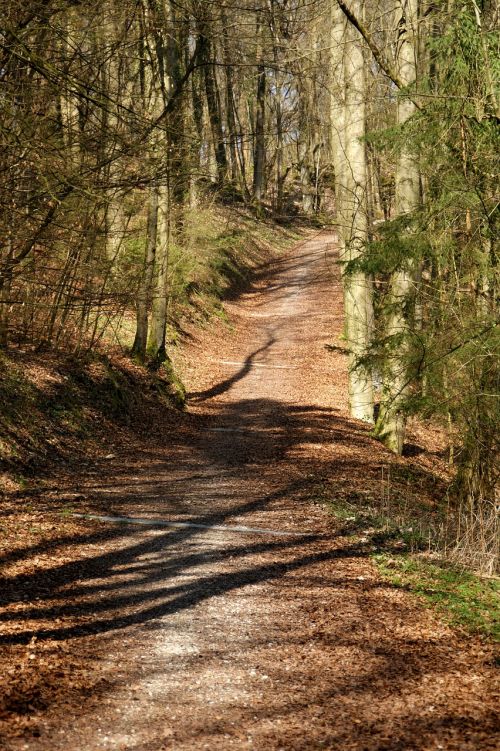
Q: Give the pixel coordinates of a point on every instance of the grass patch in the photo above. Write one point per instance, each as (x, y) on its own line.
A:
(463, 598)
(361, 518)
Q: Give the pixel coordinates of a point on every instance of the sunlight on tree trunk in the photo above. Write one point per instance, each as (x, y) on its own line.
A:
(391, 423)
(351, 195)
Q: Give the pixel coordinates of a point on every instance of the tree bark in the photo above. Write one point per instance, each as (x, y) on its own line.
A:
(260, 119)
(146, 281)
(391, 422)
(214, 106)
(156, 347)
(352, 199)
(158, 85)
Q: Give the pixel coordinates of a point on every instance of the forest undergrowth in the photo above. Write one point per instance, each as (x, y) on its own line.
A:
(160, 159)
(420, 543)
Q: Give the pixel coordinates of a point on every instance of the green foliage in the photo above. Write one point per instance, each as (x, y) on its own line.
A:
(400, 243)
(383, 526)
(448, 346)
(394, 539)
(182, 284)
(225, 272)
(461, 597)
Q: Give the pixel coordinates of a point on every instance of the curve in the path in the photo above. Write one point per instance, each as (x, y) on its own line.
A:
(213, 640)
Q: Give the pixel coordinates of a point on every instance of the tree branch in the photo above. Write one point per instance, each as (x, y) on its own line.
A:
(377, 53)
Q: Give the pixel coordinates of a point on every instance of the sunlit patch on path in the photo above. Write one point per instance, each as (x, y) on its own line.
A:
(224, 608)
(187, 525)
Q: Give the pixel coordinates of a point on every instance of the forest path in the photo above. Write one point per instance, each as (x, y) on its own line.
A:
(225, 640)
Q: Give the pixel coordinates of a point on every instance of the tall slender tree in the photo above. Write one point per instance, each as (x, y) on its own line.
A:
(400, 319)
(348, 124)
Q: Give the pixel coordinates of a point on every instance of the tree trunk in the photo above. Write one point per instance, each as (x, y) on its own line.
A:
(214, 107)
(391, 423)
(146, 281)
(197, 136)
(309, 145)
(156, 348)
(337, 121)
(161, 52)
(170, 73)
(114, 88)
(260, 116)
(305, 151)
(230, 116)
(350, 164)
(5, 291)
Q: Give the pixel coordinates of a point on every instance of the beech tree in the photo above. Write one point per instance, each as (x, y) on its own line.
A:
(433, 250)
(399, 326)
(351, 180)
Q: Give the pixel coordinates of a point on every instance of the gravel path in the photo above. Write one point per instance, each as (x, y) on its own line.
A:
(222, 639)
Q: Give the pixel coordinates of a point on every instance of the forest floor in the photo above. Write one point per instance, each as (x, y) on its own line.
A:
(121, 636)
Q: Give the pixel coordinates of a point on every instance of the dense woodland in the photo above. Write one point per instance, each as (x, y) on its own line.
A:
(123, 122)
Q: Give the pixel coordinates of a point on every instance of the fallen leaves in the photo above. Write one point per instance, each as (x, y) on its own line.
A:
(228, 643)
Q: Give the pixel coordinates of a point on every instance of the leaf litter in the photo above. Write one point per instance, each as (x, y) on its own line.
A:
(125, 638)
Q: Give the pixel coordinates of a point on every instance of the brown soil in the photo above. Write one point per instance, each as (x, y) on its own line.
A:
(150, 638)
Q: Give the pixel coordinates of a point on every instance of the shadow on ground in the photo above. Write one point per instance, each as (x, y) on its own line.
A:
(128, 576)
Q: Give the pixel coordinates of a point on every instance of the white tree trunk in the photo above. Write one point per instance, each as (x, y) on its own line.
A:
(157, 337)
(391, 424)
(351, 196)
(159, 83)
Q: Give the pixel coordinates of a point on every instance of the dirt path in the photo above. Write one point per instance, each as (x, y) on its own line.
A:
(212, 639)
